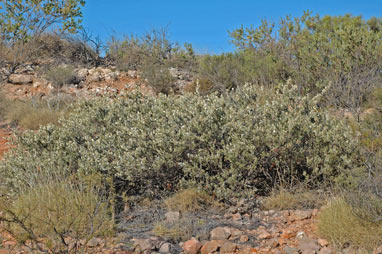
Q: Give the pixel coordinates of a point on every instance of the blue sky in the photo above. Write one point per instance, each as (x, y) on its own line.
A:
(204, 24)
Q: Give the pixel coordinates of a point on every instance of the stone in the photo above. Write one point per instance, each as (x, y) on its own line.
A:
(211, 247)
(228, 247)
(20, 79)
(192, 246)
(166, 248)
(235, 233)
(82, 74)
(302, 215)
(236, 217)
(220, 233)
(323, 242)
(142, 245)
(94, 242)
(308, 244)
(132, 74)
(264, 236)
(290, 250)
(288, 234)
(378, 250)
(172, 216)
(244, 239)
(325, 250)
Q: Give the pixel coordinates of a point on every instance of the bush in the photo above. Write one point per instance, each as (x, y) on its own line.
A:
(342, 50)
(337, 223)
(61, 75)
(234, 145)
(153, 54)
(56, 216)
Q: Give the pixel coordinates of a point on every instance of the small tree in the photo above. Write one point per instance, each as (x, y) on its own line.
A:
(22, 22)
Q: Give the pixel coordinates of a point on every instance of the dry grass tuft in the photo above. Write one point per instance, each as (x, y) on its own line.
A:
(190, 200)
(287, 200)
(339, 224)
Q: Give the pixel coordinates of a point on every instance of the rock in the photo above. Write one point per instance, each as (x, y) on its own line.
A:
(210, 247)
(244, 238)
(172, 216)
(94, 242)
(302, 215)
(264, 236)
(82, 74)
(323, 242)
(290, 250)
(308, 245)
(95, 77)
(166, 248)
(132, 74)
(228, 247)
(192, 246)
(142, 245)
(220, 233)
(235, 233)
(378, 250)
(325, 250)
(20, 79)
(236, 217)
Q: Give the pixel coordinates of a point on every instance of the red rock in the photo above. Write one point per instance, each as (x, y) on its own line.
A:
(264, 235)
(288, 234)
(192, 246)
(211, 247)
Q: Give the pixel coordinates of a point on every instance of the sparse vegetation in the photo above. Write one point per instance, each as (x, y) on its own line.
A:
(339, 224)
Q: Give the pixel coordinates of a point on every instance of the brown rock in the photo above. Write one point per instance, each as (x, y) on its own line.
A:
(264, 235)
(192, 246)
(378, 250)
(20, 79)
(228, 247)
(323, 242)
(302, 215)
(211, 247)
(288, 234)
(244, 238)
(236, 217)
(220, 233)
(235, 233)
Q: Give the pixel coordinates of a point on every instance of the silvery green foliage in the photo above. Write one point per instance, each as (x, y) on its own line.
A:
(234, 145)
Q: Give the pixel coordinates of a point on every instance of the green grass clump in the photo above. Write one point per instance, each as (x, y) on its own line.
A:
(339, 224)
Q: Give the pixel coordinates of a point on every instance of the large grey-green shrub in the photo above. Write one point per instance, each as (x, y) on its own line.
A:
(233, 145)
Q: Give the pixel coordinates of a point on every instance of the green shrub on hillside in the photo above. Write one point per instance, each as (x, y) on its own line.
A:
(234, 145)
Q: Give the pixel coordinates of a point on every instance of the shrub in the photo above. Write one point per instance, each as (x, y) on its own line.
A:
(153, 54)
(56, 216)
(337, 223)
(342, 50)
(61, 75)
(234, 145)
